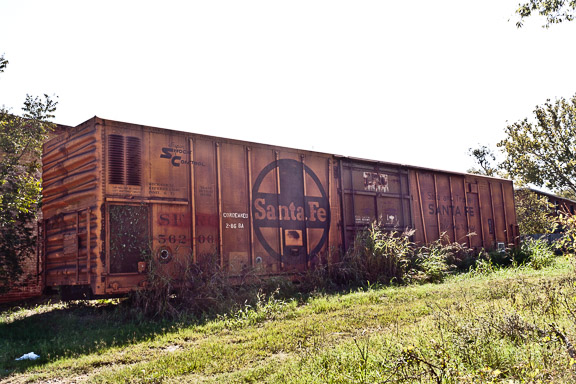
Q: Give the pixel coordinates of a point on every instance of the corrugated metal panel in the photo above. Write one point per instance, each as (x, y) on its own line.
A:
(71, 206)
(477, 211)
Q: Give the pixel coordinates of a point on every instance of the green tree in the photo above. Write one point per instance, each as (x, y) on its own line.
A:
(555, 11)
(485, 159)
(567, 194)
(543, 152)
(21, 139)
(534, 213)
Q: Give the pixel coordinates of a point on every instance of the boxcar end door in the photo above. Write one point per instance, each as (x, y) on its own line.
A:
(129, 237)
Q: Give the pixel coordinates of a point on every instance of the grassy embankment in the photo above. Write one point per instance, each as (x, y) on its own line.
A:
(504, 326)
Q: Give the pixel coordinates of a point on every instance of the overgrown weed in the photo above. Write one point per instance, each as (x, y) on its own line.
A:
(189, 291)
(377, 258)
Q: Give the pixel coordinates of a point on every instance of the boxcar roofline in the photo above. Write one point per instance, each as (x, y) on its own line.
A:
(299, 150)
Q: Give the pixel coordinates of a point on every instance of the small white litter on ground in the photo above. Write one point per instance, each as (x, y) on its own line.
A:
(28, 356)
(173, 348)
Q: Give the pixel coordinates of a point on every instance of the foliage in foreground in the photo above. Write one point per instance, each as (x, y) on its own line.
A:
(521, 332)
(378, 257)
(490, 324)
(390, 257)
(506, 326)
(203, 290)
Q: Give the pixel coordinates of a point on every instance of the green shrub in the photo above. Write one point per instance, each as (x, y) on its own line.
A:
(483, 265)
(203, 290)
(540, 253)
(534, 253)
(566, 222)
(380, 256)
(504, 258)
(376, 256)
(435, 261)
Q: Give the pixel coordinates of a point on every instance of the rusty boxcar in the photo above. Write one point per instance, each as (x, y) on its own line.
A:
(475, 210)
(115, 193)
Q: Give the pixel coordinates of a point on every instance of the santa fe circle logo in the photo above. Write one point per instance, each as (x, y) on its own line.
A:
(296, 214)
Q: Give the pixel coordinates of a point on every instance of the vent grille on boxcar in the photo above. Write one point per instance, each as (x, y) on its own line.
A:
(116, 159)
(133, 161)
(124, 160)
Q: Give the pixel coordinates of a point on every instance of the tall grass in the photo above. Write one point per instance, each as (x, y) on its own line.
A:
(188, 290)
(381, 257)
(377, 257)
(537, 254)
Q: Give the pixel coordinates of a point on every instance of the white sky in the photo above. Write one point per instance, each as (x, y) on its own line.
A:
(416, 82)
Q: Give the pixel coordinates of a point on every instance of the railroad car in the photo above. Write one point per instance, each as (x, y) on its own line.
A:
(117, 193)
(558, 204)
(465, 208)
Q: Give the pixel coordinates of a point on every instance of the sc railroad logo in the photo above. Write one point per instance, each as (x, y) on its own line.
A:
(175, 156)
(304, 221)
